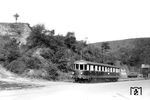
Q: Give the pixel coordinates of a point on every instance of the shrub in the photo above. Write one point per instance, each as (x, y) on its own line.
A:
(16, 66)
(64, 76)
(36, 73)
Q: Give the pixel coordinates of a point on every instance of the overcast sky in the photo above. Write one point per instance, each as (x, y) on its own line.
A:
(97, 20)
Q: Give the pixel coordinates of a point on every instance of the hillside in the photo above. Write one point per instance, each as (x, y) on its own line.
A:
(19, 31)
(130, 52)
(57, 53)
(116, 45)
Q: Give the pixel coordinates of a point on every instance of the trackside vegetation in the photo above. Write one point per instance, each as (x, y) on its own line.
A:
(50, 56)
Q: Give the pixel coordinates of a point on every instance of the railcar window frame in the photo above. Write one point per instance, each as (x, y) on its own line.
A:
(101, 68)
(93, 67)
(85, 67)
(97, 68)
(108, 69)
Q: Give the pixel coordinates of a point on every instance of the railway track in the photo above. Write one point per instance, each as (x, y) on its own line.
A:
(119, 80)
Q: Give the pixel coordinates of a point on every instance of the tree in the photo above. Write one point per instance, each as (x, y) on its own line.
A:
(12, 51)
(16, 66)
(79, 48)
(104, 48)
(70, 40)
(92, 53)
(141, 52)
(36, 36)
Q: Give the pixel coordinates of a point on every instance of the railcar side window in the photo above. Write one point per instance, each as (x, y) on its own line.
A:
(113, 69)
(91, 67)
(77, 66)
(96, 68)
(105, 69)
(81, 67)
(88, 67)
(99, 68)
(117, 70)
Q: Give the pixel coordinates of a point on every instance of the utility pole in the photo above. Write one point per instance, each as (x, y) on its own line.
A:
(102, 55)
(81, 57)
(16, 17)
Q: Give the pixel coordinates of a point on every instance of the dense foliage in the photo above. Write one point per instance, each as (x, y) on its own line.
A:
(51, 56)
(140, 54)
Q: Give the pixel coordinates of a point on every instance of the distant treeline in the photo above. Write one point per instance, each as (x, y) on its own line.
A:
(130, 52)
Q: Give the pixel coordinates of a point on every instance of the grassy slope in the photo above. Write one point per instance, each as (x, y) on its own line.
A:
(116, 45)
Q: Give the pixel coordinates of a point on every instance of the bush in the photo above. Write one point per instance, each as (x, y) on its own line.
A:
(31, 62)
(34, 73)
(64, 76)
(16, 66)
(52, 71)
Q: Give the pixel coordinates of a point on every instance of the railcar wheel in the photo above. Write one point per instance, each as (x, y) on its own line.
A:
(76, 80)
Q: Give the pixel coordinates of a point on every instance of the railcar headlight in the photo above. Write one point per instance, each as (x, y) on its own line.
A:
(72, 73)
(81, 73)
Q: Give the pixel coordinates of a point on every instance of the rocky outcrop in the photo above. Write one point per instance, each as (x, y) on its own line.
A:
(19, 31)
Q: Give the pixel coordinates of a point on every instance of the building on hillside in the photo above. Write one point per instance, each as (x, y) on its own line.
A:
(19, 31)
(145, 69)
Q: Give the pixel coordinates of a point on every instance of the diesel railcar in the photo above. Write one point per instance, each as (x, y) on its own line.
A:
(88, 71)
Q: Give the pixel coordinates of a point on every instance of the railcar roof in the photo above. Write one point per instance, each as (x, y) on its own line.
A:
(94, 63)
